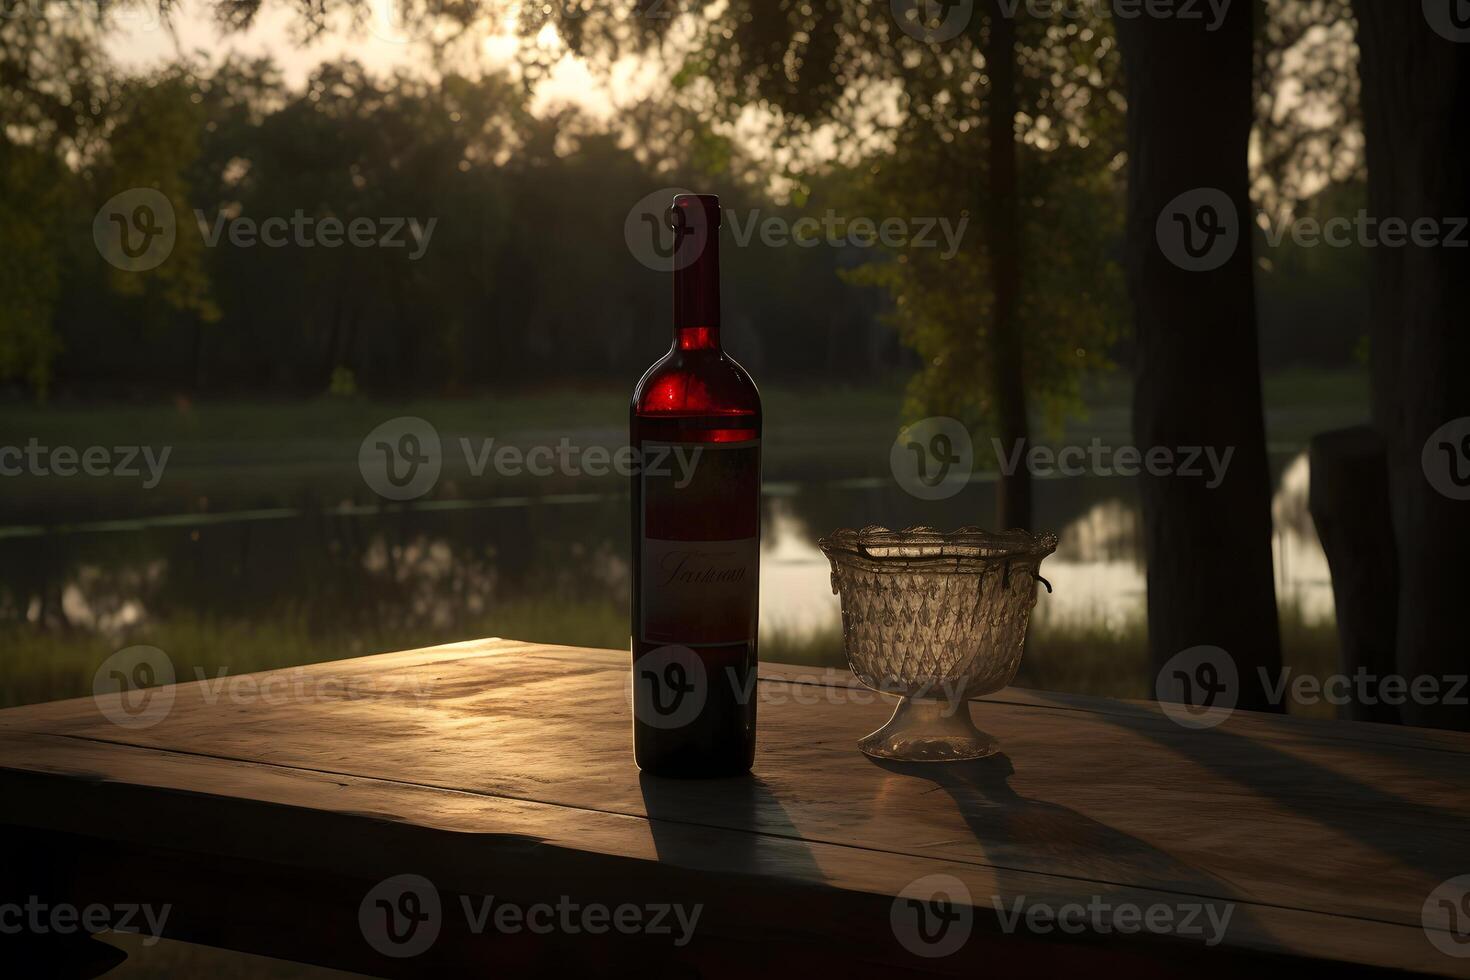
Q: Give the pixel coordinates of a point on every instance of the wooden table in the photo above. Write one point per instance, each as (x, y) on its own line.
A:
(267, 821)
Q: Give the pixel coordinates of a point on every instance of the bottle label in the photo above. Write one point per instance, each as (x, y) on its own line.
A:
(700, 539)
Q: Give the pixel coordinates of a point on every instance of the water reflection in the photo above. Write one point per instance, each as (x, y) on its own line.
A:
(1097, 572)
(447, 571)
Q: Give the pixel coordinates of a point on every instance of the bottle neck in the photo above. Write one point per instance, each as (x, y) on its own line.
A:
(697, 296)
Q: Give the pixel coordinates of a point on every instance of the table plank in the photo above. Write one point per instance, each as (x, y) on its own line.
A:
(1327, 838)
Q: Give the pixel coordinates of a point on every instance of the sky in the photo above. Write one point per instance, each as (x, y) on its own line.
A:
(138, 41)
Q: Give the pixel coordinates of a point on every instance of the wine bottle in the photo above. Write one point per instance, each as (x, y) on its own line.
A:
(695, 423)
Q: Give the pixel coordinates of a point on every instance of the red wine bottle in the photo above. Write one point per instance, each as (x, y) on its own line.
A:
(695, 423)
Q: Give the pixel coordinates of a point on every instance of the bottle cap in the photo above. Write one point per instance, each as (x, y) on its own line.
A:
(691, 211)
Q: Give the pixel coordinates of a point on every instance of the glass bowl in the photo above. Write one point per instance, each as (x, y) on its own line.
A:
(936, 619)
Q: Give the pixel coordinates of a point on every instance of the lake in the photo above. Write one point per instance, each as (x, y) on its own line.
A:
(317, 567)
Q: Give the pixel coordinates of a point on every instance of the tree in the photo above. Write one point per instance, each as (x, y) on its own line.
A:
(967, 98)
(75, 135)
(1416, 99)
(1196, 368)
(1007, 375)
(52, 95)
(36, 188)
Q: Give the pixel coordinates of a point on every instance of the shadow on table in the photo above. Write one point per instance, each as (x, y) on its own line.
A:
(1313, 791)
(747, 802)
(1009, 825)
(1024, 841)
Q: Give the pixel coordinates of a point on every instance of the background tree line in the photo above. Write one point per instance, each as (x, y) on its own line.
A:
(527, 280)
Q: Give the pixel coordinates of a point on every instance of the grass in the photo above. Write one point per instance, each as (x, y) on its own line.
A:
(1079, 659)
(44, 665)
(1093, 659)
(808, 428)
(196, 428)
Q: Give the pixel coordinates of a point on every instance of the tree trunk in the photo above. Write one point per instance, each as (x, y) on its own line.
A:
(1196, 371)
(1416, 106)
(1350, 509)
(1008, 382)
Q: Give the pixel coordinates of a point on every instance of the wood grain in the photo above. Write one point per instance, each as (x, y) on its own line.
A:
(487, 759)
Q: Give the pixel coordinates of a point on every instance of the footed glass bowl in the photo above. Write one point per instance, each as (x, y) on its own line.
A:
(936, 619)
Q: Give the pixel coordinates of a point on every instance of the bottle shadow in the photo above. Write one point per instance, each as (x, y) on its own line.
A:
(766, 839)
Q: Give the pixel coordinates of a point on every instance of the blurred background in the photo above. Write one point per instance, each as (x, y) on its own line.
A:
(516, 151)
